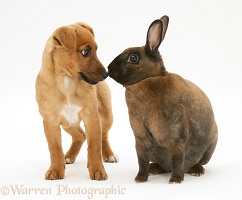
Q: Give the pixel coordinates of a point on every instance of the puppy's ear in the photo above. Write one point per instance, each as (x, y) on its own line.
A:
(66, 37)
(156, 34)
(86, 26)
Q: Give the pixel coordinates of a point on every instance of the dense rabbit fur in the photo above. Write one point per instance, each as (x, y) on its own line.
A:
(172, 119)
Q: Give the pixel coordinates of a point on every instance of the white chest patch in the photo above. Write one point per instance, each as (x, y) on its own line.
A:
(70, 112)
(66, 82)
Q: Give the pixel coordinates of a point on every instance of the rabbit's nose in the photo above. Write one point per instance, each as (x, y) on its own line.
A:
(114, 63)
(110, 66)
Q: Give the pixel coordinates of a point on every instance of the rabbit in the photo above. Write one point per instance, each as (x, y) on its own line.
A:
(172, 118)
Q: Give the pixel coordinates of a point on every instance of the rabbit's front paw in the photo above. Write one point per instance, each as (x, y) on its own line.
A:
(141, 178)
(197, 170)
(175, 180)
(155, 168)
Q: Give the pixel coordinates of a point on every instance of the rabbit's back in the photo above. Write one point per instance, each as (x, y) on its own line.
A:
(172, 108)
(171, 95)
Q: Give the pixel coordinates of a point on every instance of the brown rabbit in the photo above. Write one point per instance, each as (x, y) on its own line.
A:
(172, 119)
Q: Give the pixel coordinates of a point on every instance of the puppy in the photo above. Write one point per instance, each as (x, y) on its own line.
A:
(70, 88)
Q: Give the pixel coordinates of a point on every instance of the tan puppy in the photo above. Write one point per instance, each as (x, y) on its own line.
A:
(70, 88)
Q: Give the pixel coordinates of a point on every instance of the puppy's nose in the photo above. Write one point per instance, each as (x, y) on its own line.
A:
(104, 74)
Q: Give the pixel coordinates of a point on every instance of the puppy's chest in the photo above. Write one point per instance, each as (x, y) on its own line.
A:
(71, 113)
(72, 105)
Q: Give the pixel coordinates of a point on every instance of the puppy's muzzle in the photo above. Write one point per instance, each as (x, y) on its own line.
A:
(93, 79)
(104, 74)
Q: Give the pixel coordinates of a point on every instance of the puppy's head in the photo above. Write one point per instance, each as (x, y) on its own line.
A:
(75, 53)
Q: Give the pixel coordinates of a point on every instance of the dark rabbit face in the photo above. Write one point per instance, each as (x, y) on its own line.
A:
(138, 63)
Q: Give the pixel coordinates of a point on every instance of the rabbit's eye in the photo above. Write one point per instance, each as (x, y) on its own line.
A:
(133, 58)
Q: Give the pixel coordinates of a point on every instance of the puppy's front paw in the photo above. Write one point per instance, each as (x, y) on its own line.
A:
(53, 174)
(98, 174)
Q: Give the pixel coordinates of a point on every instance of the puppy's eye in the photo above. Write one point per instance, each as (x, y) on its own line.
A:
(133, 58)
(85, 52)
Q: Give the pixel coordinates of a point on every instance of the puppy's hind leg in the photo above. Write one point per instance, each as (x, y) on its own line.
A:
(106, 118)
(106, 121)
(78, 137)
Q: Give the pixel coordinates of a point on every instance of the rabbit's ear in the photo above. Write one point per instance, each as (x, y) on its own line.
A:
(156, 33)
(165, 21)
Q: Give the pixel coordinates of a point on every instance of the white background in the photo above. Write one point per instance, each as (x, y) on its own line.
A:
(202, 44)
